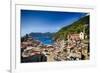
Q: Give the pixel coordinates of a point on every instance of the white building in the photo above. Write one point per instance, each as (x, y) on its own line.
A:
(81, 35)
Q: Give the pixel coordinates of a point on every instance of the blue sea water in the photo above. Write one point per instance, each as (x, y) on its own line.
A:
(45, 40)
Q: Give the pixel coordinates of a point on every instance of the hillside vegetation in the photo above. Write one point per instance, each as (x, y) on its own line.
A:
(76, 27)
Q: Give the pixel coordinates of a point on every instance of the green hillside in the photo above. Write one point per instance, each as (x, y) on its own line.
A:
(76, 27)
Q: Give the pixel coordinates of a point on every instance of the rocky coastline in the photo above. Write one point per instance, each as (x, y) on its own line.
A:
(72, 49)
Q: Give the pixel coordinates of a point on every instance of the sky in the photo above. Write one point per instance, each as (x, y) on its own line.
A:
(46, 21)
